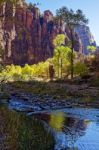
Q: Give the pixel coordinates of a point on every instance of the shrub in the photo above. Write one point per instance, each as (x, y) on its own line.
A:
(80, 69)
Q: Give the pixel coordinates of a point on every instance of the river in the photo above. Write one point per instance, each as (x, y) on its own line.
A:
(65, 129)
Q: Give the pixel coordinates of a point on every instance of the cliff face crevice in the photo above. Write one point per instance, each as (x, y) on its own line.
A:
(86, 37)
(27, 37)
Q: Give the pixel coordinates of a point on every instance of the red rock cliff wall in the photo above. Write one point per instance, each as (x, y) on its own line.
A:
(28, 37)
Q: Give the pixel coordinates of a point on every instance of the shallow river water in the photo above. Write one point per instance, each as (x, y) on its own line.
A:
(65, 129)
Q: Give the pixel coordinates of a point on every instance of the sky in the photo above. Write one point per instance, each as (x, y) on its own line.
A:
(89, 7)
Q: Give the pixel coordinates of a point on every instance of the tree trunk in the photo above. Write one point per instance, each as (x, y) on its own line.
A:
(58, 69)
(72, 52)
(61, 67)
(58, 65)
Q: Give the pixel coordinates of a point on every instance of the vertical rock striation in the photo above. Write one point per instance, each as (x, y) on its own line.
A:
(86, 37)
(27, 36)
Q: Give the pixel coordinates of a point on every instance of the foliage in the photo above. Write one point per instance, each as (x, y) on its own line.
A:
(60, 62)
(59, 40)
(71, 19)
(61, 54)
(18, 73)
(31, 6)
(56, 121)
(80, 69)
(91, 48)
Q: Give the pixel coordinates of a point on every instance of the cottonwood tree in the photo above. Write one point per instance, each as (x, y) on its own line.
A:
(61, 52)
(91, 49)
(72, 19)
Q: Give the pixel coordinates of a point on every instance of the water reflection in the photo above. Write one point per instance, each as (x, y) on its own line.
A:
(66, 130)
(57, 120)
(18, 132)
(71, 130)
(47, 131)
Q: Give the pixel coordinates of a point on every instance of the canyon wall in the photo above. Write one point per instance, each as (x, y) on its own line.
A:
(86, 37)
(27, 36)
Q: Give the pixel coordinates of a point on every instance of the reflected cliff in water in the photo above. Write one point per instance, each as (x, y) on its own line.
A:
(71, 133)
(70, 130)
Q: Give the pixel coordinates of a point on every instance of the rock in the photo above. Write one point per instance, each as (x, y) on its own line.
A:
(45, 107)
(19, 105)
(37, 108)
(27, 37)
(5, 97)
(86, 37)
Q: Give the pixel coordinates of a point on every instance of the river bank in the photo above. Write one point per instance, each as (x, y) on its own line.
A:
(40, 96)
(69, 128)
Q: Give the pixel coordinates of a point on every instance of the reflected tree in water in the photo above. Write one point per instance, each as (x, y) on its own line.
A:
(72, 128)
(57, 120)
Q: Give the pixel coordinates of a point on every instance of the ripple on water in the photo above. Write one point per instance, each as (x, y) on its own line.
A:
(74, 128)
(71, 128)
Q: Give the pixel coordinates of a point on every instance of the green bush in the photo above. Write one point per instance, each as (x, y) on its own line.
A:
(80, 69)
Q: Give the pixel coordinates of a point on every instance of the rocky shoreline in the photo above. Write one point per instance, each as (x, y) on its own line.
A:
(32, 103)
(38, 97)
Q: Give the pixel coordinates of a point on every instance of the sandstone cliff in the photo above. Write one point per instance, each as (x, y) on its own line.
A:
(27, 36)
(86, 37)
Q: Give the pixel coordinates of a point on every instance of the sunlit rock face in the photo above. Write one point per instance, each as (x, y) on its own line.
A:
(86, 37)
(27, 36)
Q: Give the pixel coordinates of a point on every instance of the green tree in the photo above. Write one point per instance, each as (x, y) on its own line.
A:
(60, 52)
(26, 72)
(91, 49)
(56, 121)
(72, 19)
(31, 6)
(80, 69)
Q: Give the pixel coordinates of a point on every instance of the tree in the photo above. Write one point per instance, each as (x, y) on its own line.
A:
(91, 49)
(51, 72)
(31, 6)
(72, 19)
(91, 59)
(56, 121)
(26, 72)
(80, 69)
(60, 52)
